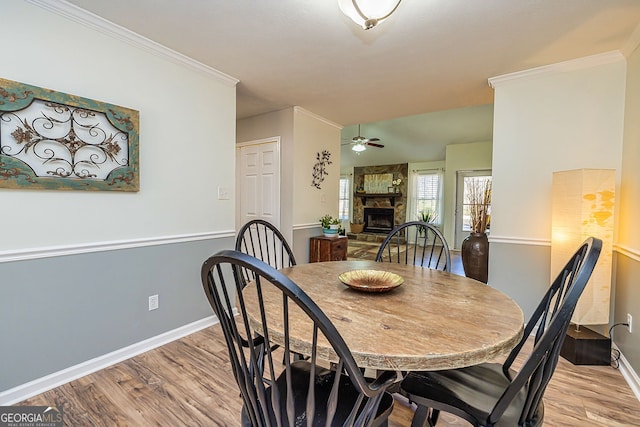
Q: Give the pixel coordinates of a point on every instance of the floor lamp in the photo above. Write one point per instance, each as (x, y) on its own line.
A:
(583, 204)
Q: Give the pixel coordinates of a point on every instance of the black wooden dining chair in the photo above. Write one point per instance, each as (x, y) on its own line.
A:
(493, 394)
(417, 243)
(294, 392)
(262, 240)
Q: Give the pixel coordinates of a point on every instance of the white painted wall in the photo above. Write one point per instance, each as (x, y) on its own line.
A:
(629, 195)
(313, 134)
(185, 152)
(567, 116)
(132, 245)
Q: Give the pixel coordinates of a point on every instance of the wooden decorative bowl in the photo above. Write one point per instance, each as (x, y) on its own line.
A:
(371, 280)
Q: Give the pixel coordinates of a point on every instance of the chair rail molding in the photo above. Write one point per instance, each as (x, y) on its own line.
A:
(634, 254)
(514, 240)
(83, 248)
(306, 226)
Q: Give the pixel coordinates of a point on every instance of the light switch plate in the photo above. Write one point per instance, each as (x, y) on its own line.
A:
(224, 193)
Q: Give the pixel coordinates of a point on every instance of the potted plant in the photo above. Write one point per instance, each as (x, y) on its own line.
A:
(429, 216)
(330, 226)
(475, 247)
(396, 185)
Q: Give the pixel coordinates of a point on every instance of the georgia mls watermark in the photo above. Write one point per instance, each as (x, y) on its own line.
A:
(30, 416)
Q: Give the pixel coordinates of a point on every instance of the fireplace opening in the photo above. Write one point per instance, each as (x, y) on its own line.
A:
(378, 220)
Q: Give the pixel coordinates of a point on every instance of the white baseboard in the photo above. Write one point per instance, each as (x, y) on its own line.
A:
(40, 385)
(628, 373)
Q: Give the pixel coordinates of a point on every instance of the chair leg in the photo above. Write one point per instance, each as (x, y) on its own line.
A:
(433, 419)
(420, 417)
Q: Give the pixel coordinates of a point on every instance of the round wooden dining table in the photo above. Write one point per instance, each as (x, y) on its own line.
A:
(434, 320)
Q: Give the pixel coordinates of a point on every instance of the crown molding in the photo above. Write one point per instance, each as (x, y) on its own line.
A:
(632, 43)
(95, 22)
(560, 67)
(317, 117)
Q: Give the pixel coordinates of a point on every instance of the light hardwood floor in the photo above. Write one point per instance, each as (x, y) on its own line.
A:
(189, 383)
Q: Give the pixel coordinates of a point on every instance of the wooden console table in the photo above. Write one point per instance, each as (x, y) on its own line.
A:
(328, 248)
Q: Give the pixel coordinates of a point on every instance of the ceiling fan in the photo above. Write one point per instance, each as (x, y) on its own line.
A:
(360, 143)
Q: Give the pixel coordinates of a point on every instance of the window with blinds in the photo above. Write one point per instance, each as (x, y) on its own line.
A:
(345, 199)
(428, 196)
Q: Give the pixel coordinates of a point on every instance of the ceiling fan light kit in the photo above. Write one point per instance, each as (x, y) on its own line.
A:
(368, 13)
(360, 143)
(359, 147)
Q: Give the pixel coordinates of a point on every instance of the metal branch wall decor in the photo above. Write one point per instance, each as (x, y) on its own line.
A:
(319, 169)
(55, 141)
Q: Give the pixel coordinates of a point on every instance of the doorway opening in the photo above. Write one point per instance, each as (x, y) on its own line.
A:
(462, 213)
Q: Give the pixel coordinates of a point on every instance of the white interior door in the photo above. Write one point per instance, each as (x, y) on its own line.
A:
(463, 227)
(259, 181)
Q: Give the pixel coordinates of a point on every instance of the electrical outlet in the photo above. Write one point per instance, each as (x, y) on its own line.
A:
(153, 302)
(630, 322)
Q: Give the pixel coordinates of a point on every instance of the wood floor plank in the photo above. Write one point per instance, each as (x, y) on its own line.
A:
(189, 382)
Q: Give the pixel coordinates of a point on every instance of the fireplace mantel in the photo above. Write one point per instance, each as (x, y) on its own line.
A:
(390, 196)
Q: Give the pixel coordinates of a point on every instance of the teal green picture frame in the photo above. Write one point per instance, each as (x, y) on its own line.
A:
(56, 141)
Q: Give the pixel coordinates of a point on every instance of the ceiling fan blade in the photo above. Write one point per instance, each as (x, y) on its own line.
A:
(375, 145)
(374, 139)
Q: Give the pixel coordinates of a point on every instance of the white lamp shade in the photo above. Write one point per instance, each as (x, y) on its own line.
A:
(583, 205)
(372, 9)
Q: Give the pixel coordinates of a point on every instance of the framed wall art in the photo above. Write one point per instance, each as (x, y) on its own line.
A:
(379, 183)
(55, 141)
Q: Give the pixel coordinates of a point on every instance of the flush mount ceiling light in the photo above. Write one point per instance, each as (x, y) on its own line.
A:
(368, 13)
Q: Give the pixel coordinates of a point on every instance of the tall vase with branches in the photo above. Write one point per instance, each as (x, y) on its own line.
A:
(475, 247)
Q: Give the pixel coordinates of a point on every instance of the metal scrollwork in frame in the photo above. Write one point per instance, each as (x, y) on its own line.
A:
(55, 141)
(319, 169)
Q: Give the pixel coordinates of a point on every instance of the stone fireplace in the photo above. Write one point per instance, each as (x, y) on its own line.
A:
(389, 209)
(379, 220)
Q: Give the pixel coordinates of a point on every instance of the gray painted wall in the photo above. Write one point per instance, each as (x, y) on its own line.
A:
(61, 311)
(627, 296)
(627, 261)
(301, 239)
(520, 271)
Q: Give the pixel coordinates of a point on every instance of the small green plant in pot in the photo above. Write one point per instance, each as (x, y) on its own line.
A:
(330, 225)
(429, 216)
